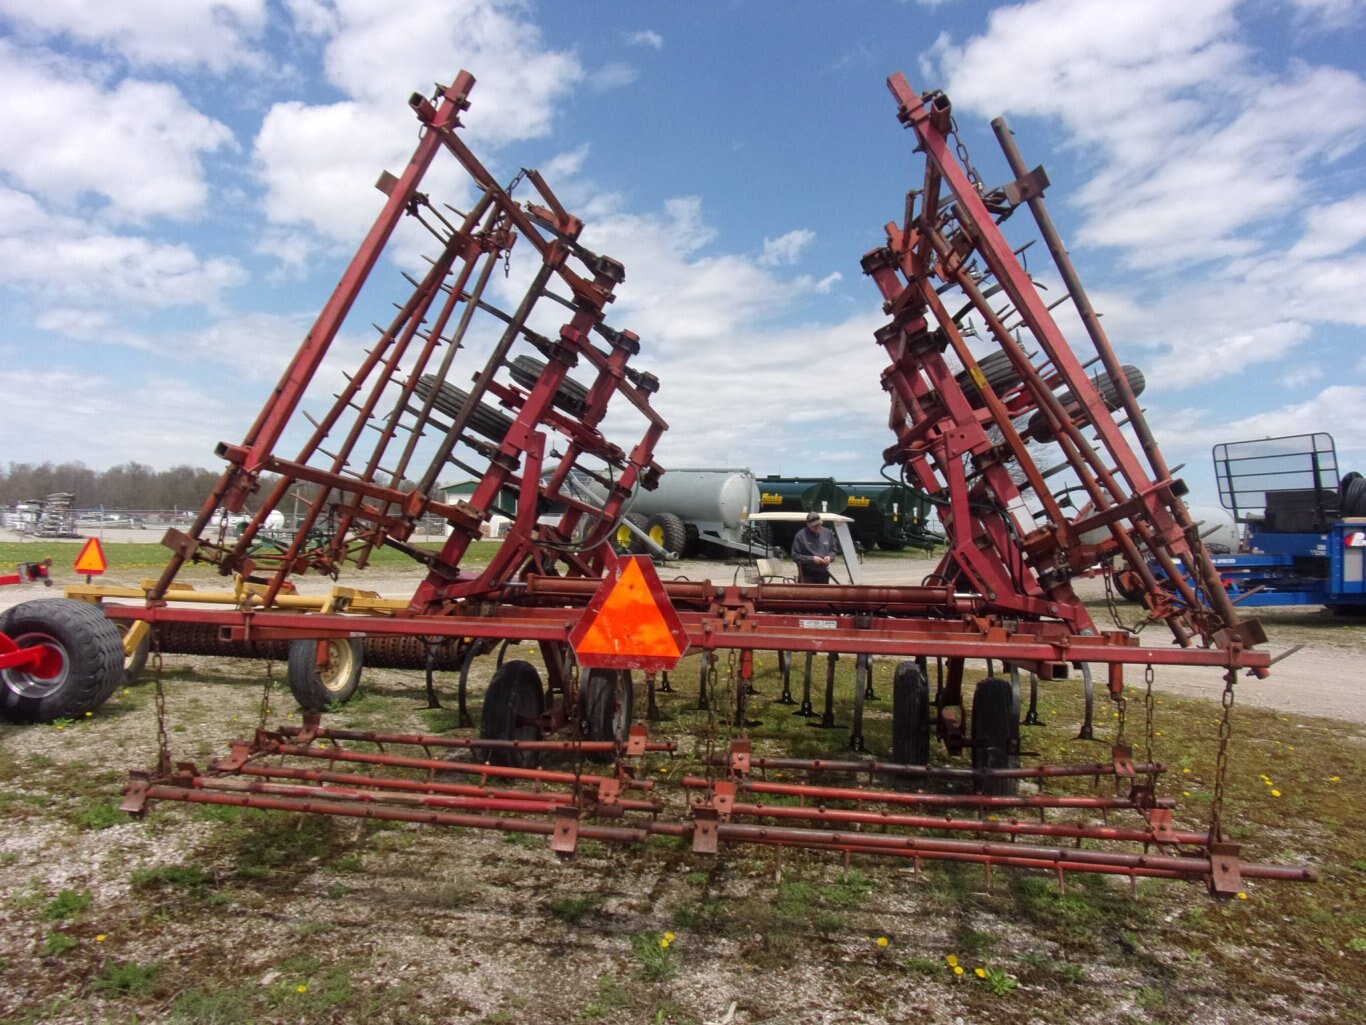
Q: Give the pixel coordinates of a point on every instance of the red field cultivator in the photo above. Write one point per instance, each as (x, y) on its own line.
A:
(545, 376)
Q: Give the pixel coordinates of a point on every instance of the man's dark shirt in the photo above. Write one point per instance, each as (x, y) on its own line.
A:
(808, 545)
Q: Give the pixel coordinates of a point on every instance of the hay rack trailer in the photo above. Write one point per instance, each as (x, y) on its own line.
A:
(965, 428)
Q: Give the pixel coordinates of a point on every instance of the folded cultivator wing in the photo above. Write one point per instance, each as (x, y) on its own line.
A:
(514, 393)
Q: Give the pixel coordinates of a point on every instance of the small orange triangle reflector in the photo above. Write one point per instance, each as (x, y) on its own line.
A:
(630, 623)
(91, 560)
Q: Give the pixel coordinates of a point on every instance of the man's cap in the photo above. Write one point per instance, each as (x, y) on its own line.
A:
(813, 517)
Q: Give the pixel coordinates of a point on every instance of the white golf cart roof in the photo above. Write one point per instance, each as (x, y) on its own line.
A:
(798, 517)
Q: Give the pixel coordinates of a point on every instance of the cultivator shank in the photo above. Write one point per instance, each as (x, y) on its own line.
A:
(969, 429)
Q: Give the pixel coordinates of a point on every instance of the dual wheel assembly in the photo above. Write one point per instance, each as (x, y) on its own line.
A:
(995, 727)
(515, 707)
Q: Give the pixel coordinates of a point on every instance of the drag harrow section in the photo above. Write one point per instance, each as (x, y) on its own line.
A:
(1020, 442)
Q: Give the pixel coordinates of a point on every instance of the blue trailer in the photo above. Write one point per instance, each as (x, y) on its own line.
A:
(1302, 529)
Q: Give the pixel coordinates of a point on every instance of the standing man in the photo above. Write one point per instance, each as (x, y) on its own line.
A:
(813, 549)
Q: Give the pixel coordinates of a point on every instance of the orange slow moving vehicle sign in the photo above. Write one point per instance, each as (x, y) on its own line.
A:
(630, 623)
(91, 560)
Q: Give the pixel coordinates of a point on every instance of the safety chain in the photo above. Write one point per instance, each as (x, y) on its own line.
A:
(1216, 807)
(1148, 722)
(163, 742)
(572, 684)
(710, 684)
(265, 696)
(1123, 703)
(507, 253)
(732, 696)
(1113, 606)
(974, 178)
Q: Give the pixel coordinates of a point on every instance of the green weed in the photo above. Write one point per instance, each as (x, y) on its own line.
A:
(67, 904)
(131, 978)
(57, 943)
(654, 955)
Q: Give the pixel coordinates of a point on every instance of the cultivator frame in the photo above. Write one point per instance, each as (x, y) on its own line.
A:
(526, 427)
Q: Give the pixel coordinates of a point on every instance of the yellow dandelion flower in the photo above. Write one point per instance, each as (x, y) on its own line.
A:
(1185, 793)
(981, 973)
(59, 729)
(664, 944)
(89, 714)
(1334, 779)
(1242, 895)
(127, 691)
(670, 937)
(952, 959)
(1186, 771)
(1275, 793)
(957, 969)
(883, 941)
(101, 938)
(301, 988)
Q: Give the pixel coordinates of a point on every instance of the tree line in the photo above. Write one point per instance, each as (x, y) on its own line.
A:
(129, 486)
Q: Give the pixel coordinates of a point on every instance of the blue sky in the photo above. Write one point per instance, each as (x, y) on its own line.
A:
(182, 182)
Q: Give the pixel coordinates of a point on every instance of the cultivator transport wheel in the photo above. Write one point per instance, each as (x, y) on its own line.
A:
(910, 716)
(323, 673)
(82, 665)
(669, 532)
(995, 735)
(606, 706)
(512, 710)
(626, 540)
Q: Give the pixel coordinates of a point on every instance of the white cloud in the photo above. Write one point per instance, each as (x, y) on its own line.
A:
(161, 418)
(648, 37)
(64, 259)
(786, 248)
(1328, 15)
(68, 135)
(318, 163)
(1202, 161)
(1332, 229)
(612, 76)
(381, 51)
(216, 34)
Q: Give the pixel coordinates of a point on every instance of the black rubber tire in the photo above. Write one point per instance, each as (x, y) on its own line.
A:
(1353, 491)
(669, 532)
(627, 542)
(512, 709)
(1000, 375)
(91, 660)
(1038, 428)
(570, 396)
(694, 541)
(133, 664)
(910, 716)
(315, 689)
(995, 735)
(888, 545)
(450, 400)
(602, 714)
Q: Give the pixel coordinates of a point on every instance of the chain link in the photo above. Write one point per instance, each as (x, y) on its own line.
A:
(163, 742)
(964, 158)
(573, 688)
(1123, 703)
(1148, 722)
(710, 683)
(732, 697)
(1216, 807)
(265, 696)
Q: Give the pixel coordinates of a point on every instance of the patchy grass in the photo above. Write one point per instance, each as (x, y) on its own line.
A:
(220, 914)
